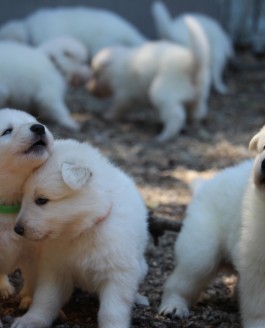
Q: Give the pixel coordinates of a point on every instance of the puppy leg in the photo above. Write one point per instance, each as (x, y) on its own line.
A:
(116, 111)
(50, 295)
(197, 260)
(217, 71)
(116, 301)
(6, 289)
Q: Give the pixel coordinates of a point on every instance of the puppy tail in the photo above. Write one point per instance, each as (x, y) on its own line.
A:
(200, 48)
(162, 19)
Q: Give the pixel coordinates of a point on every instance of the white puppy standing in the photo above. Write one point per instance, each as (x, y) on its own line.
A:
(220, 45)
(92, 223)
(25, 144)
(173, 78)
(30, 80)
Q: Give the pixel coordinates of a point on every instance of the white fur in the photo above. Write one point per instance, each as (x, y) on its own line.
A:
(96, 28)
(176, 30)
(252, 244)
(170, 76)
(16, 164)
(70, 56)
(29, 80)
(93, 230)
(209, 236)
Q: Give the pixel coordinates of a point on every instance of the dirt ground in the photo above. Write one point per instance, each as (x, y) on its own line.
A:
(162, 173)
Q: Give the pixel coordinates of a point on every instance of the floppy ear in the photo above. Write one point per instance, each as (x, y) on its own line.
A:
(253, 145)
(75, 176)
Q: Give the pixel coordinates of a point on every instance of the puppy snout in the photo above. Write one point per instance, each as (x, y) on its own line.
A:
(38, 129)
(262, 168)
(19, 229)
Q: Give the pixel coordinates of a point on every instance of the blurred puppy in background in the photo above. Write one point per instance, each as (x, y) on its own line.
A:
(173, 78)
(96, 28)
(30, 80)
(70, 56)
(25, 144)
(220, 45)
(99, 242)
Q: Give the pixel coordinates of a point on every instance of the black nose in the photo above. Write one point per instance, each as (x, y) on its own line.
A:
(19, 229)
(38, 129)
(262, 167)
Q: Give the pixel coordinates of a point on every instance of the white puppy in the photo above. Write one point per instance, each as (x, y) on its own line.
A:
(92, 223)
(24, 145)
(30, 80)
(170, 76)
(221, 48)
(209, 236)
(96, 28)
(70, 56)
(252, 244)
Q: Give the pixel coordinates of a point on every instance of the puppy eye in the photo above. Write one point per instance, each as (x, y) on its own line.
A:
(41, 201)
(7, 131)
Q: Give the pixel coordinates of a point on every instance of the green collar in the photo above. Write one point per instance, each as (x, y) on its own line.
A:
(9, 209)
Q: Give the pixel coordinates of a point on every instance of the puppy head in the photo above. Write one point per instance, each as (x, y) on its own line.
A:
(56, 198)
(24, 143)
(99, 84)
(257, 144)
(70, 56)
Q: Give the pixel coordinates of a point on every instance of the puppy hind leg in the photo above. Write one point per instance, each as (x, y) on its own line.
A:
(217, 72)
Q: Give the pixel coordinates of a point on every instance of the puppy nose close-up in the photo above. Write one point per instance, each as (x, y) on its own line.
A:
(38, 129)
(19, 229)
(262, 167)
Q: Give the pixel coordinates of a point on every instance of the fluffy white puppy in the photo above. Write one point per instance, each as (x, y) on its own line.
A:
(92, 223)
(29, 80)
(96, 28)
(209, 236)
(252, 244)
(70, 56)
(24, 145)
(173, 78)
(221, 48)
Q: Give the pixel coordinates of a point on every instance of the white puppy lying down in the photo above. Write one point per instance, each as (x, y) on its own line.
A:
(96, 28)
(92, 223)
(170, 76)
(30, 80)
(24, 145)
(70, 56)
(220, 45)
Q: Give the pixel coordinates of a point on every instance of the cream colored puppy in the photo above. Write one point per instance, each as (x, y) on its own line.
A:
(220, 45)
(92, 223)
(70, 56)
(252, 244)
(25, 144)
(173, 78)
(30, 80)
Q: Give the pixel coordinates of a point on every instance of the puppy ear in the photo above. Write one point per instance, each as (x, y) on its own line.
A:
(253, 144)
(75, 176)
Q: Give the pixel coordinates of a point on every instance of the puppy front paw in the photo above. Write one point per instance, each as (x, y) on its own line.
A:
(6, 289)
(174, 310)
(29, 321)
(25, 302)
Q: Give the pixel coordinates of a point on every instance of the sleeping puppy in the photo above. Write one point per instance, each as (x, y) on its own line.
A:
(25, 144)
(95, 28)
(30, 80)
(97, 244)
(173, 78)
(220, 45)
(252, 244)
(70, 56)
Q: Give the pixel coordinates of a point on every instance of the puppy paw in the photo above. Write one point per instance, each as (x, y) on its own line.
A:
(141, 300)
(6, 289)
(174, 310)
(25, 302)
(28, 321)
(71, 125)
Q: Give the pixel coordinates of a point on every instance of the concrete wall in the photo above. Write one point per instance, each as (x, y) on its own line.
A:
(136, 11)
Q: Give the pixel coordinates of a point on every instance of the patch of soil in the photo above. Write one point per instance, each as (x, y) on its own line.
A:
(163, 173)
